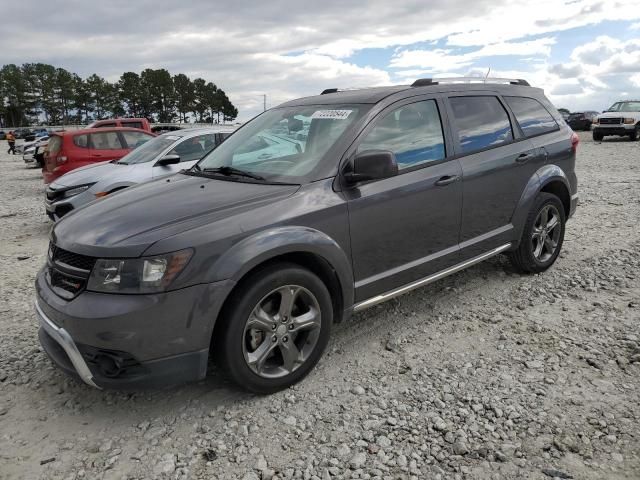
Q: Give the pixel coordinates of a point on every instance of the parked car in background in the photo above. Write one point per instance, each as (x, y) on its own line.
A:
(2, 135)
(582, 120)
(69, 150)
(22, 148)
(23, 134)
(254, 259)
(161, 156)
(140, 123)
(34, 154)
(621, 119)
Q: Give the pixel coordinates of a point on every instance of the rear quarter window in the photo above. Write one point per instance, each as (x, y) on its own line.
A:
(54, 144)
(132, 124)
(482, 122)
(532, 117)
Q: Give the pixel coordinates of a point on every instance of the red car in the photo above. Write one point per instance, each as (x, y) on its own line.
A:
(69, 150)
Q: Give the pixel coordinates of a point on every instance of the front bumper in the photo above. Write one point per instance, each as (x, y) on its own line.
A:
(64, 340)
(154, 340)
(621, 129)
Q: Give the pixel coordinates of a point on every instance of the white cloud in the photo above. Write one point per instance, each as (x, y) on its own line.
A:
(439, 60)
(289, 48)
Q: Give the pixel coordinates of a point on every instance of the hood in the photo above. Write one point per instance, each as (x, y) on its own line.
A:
(619, 115)
(127, 223)
(87, 174)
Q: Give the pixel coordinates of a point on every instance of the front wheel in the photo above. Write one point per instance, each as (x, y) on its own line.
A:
(542, 235)
(633, 136)
(597, 136)
(275, 328)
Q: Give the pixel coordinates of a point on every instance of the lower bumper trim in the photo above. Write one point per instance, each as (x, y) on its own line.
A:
(62, 337)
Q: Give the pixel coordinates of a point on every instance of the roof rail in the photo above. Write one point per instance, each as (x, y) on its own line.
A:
(329, 90)
(423, 82)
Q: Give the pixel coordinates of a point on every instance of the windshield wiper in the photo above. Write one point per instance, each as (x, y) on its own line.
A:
(228, 171)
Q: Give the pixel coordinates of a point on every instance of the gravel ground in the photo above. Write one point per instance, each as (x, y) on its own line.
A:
(484, 375)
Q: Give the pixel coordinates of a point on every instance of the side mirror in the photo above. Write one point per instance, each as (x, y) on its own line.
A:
(168, 160)
(372, 165)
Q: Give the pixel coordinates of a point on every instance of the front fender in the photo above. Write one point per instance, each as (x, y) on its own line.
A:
(268, 244)
(542, 177)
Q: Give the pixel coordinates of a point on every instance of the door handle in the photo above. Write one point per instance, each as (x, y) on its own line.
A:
(446, 180)
(524, 157)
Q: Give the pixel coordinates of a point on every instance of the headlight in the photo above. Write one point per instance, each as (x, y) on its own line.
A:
(629, 121)
(137, 275)
(72, 192)
(596, 121)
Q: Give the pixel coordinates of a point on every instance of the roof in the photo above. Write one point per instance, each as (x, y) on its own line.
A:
(363, 95)
(376, 94)
(100, 129)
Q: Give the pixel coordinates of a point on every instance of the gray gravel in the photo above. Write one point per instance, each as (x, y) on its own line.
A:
(484, 375)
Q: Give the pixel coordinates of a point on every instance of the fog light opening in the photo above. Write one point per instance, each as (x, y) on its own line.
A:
(109, 366)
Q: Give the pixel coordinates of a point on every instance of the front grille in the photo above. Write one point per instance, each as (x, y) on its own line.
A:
(68, 283)
(68, 272)
(611, 121)
(58, 255)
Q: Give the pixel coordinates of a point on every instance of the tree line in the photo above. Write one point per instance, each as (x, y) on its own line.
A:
(44, 94)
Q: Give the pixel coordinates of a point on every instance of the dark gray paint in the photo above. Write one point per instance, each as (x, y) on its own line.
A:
(376, 236)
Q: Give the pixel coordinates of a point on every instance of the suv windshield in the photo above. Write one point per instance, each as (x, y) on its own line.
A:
(149, 150)
(284, 144)
(625, 107)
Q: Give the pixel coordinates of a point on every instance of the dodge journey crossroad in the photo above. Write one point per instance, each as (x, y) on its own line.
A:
(315, 209)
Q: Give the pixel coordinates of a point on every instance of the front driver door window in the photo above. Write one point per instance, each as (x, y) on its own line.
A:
(405, 227)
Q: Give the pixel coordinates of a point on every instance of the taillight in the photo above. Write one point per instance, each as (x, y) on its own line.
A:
(575, 140)
(60, 159)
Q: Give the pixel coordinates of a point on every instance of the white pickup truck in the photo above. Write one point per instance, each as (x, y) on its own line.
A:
(621, 119)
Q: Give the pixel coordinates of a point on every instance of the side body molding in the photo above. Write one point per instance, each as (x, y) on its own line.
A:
(543, 176)
(271, 243)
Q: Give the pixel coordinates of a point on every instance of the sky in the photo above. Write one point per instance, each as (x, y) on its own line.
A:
(585, 54)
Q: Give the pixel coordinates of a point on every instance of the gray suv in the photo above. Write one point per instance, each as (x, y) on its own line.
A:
(315, 209)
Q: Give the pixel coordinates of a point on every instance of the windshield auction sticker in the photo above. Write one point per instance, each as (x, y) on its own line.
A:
(331, 114)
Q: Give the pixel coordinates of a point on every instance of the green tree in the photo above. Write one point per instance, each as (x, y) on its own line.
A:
(184, 94)
(159, 87)
(130, 92)
(18, 104)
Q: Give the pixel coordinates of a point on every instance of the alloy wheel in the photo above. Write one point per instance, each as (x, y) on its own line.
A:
(281, 332)
(546, 233)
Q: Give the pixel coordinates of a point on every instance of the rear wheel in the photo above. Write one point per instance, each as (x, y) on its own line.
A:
(542, 235)
(597, 136)
(275, 328)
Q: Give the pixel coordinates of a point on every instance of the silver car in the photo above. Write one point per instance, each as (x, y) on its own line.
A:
(164, 155)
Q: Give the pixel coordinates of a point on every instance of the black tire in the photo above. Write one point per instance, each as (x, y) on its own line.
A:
(597, 136)
(633, 136)
(231, 338)
(524, 258)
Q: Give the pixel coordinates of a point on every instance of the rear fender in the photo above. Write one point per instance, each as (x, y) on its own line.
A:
(544, 176)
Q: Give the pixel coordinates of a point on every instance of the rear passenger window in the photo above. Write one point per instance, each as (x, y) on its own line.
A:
(132, 124)
(194, 148)
(413, 133)
(106, 141)
(81, 141)
(533, 118)
(482, 122)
